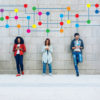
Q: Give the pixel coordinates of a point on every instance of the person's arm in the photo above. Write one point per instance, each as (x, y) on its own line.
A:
(23, 48)
(14, 48)
(72, 45)
(82, 45)
(51, 49)
(43, 49)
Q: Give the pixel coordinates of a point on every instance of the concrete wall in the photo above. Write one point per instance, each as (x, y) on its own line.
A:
(62, 58)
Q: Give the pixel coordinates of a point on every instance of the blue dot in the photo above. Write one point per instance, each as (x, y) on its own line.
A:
(7, 26)
(96, 11)
(47, 13)
(77, 25)
(28, 17)
(61, 15)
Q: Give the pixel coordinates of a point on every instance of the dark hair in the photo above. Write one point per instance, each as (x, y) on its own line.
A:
(21, 40)
(47, 40)
(76, 34)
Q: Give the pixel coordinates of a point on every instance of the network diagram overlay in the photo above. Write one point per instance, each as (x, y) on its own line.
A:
(34, 18)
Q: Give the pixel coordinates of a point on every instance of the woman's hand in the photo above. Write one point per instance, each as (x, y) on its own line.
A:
(47, 48)
(17, 48)
(20, 49)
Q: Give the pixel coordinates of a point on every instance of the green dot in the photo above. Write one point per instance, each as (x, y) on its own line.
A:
(34, 8)
(88, 21)
(1, 18)
(47, 30)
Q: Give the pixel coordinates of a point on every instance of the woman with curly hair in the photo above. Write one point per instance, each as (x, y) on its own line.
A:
(19, 49)
(47, 51)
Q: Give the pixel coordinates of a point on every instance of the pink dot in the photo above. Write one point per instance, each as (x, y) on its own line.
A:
(39, 13)
(16, 17)
(28, 30)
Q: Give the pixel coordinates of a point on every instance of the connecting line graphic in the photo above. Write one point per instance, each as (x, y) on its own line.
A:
(37, 13)
(79, 23)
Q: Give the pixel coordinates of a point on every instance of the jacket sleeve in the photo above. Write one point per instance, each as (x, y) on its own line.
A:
(14, 47)
(72, 44)
(24, 48)
(51, 49)
(43, 49)
(82, 44)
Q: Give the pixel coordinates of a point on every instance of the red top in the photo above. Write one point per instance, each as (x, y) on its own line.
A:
(22, 46)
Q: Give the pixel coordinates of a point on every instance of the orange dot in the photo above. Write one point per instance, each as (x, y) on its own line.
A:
(18, 26)
(68, 8)
(61, 30)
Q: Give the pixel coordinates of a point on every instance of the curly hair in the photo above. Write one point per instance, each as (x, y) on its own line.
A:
(16, 40)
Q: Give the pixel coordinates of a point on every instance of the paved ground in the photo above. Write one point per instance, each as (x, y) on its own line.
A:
(57, 87)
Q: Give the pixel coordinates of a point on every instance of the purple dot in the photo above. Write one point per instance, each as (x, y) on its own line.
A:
(1, 10)
(28, 30)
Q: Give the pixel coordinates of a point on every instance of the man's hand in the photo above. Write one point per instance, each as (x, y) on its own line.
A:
(77, 47)
(73, 47)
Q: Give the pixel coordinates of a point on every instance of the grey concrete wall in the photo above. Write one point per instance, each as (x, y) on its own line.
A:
(62, 58)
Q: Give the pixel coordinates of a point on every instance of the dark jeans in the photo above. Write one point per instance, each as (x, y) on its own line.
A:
(77, 57)
(19, 63)
(44, 68)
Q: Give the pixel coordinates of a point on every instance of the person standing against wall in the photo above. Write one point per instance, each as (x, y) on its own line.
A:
(19, 49)
(47, 51)
(76, 46)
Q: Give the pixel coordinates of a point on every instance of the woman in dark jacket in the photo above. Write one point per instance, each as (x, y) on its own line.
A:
(19, 49)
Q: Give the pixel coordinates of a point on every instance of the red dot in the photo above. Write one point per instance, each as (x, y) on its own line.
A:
(61, 23)
(96, 5)
(39, 23)
(25, 5)
(77, 15)
(6, 17)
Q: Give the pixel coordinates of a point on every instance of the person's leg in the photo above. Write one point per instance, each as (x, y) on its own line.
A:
(17, 63)
(50, 68)
(21, 63)
(44, 68)
(80, 58)
(75, 63)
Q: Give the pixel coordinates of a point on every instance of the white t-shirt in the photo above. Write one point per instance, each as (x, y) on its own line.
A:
(77, 44)
(18, 52)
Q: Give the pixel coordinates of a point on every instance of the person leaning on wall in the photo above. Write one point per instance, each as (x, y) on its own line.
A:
(47, 51)
(76, 46)
(19, 49)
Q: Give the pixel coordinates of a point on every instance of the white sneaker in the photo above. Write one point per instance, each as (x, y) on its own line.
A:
(50, 74)
(44, 74)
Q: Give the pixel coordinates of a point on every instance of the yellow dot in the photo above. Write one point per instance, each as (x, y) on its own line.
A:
(16, 10)
(68, 21)
(61, 30)
(18, 26)
(88, 5)
(34, 26)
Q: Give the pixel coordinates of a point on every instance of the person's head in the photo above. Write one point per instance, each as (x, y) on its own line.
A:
(47, 42)
(76, 35)
(19, 40)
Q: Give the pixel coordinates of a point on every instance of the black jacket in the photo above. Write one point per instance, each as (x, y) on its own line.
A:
(73, 44)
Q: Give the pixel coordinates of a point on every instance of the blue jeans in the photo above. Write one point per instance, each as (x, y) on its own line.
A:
(77, 57)
(44, 68)
(19, 62)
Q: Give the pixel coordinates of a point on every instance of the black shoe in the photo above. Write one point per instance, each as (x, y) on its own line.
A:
(77, 74)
